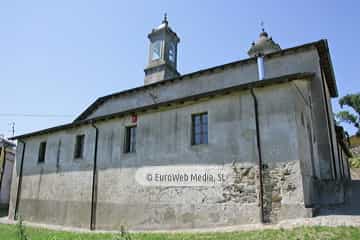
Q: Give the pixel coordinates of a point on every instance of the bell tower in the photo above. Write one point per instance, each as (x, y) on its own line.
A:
(263, 45)
(162, 59)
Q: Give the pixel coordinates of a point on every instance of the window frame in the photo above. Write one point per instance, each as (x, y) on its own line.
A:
(203, 132)
(42, 152)
(130, 139)
(172, 52)
(154, 45)
(79, 153)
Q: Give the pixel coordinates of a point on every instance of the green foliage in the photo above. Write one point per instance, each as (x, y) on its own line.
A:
(20, 229)
(355, 162)
(124, 235)
(347, 117)
(352, 101)
(8, 232)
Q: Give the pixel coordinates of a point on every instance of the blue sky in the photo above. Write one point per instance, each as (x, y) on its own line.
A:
(57, 57)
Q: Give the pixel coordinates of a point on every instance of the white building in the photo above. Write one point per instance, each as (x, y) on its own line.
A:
(265, 121)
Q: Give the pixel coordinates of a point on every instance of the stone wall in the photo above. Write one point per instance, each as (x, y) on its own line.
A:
(283, 189)
(59, 190)
(236, 201)
(242, 186)
(141, 207)
(282, 186)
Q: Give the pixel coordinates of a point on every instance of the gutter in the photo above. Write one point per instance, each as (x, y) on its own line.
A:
(94, 182)
(195, 97)
(321, 45)
(260, 164)
(19, 181)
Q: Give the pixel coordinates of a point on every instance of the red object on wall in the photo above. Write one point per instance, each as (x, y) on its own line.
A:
(134, 118)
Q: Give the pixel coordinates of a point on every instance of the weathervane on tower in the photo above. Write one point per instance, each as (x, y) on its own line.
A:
(165, 19)
(262, 26)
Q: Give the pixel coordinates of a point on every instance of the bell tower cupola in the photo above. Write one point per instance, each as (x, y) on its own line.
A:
(162, 59)
(263, 45)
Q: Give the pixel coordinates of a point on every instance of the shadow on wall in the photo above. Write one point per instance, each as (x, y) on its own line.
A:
(4, 211)
(351, 205)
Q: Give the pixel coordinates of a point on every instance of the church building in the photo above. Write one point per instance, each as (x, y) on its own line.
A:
(250, 141)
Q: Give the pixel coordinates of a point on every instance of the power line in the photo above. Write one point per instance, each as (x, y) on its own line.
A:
(35, 115)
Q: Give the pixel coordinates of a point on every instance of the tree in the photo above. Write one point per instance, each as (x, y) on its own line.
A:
(352, 101)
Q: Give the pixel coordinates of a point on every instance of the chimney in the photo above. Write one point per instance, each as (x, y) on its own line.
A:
(260, 64)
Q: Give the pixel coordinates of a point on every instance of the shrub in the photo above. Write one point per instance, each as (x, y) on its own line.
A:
(20, 229)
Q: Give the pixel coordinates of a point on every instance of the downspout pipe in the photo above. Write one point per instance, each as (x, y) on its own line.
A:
(19, 180)
(260, 163)
(94, 181)
(261, 75)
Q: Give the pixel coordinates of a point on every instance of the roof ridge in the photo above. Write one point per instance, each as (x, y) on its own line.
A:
(102, 99)
(239, 87)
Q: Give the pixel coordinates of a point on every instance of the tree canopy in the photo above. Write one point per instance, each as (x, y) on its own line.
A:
(351, 101)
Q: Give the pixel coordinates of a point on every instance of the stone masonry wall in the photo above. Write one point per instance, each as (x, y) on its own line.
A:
(281, 185)
(242, 188)
(280, 182)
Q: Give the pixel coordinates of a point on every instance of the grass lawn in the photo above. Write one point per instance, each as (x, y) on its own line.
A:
(10, 232)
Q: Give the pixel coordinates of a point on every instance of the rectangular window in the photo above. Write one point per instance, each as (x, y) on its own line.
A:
(42, 151)
(156, 50)
(130, 139)
(79, 146)
(199, 129)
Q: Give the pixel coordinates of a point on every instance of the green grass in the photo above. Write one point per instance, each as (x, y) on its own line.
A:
(9, 232)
